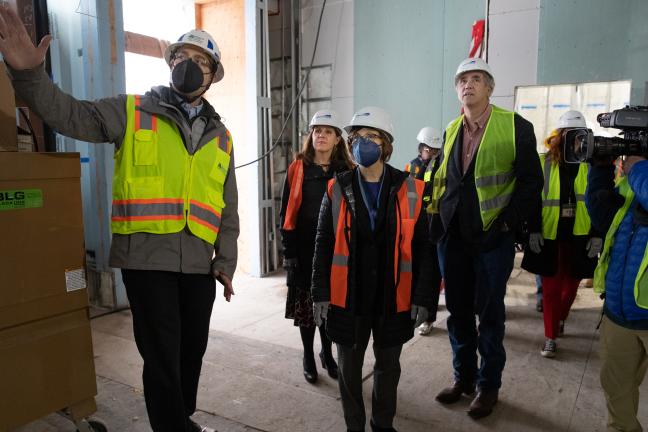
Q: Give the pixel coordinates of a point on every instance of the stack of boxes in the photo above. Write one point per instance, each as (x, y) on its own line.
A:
(46, 359)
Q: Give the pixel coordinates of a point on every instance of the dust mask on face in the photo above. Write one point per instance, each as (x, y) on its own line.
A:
(187, 77)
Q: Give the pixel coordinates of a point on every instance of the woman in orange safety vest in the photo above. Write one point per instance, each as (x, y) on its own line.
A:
(371, 268)
(324, 153)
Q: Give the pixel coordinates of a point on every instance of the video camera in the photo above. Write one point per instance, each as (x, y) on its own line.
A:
(581, 145)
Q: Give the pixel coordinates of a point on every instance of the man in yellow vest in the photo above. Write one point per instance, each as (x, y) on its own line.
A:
(174, 210)
(619, 208)
(488, 179)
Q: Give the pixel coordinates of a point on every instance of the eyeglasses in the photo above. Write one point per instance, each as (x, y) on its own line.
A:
(203, 62)
(371, 136)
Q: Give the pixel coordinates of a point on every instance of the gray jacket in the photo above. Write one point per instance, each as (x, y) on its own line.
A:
(103, 121)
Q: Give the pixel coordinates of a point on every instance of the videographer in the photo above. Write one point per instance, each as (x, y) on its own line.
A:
(621, 275)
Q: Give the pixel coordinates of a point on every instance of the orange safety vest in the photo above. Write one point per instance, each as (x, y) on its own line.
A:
(295, 180)
(409, 197)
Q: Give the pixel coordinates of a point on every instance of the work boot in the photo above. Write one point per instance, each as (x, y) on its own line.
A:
(483, 404)
(452, 394)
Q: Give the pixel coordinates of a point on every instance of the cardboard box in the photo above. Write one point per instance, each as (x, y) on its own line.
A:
(45, 366)
(46, 359)
(7, 113)
(42, 254)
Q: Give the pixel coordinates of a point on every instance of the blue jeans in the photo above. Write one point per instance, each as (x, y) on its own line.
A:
(475, 285)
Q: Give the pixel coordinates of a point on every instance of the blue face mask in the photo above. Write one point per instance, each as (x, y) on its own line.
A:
(365, 151)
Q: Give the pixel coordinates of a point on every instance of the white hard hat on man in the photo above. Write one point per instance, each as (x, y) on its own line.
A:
(473, 64)
(430, 136)
(202, 40)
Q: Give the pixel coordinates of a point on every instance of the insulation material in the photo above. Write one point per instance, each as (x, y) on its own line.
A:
(543, 105)
(531, 103)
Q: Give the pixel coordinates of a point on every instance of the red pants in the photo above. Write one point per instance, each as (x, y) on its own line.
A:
(558, 292)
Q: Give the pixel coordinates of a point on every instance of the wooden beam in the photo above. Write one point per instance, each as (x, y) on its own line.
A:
(144, 45)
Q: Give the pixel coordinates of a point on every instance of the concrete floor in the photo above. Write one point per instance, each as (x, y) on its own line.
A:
(252, 378)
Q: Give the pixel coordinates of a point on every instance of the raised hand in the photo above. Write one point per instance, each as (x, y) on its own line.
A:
(16, 46)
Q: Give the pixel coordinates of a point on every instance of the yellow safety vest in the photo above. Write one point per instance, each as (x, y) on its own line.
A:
(427, 177)
(158, 187)
(641, 281)
(494, 177)
(551, 200)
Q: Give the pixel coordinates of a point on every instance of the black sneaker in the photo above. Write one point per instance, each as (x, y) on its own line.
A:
(195, 427)
(549, 349)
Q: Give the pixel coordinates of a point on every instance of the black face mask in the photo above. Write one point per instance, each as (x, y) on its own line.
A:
(187, 77)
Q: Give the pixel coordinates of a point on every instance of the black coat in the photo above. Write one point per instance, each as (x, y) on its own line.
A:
(546, 262)
(459, 205)
(300, 242)
(371, 287)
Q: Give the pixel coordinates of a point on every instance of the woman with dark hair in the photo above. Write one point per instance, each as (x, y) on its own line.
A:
(563, 248)
(323, 154)
(371, 268)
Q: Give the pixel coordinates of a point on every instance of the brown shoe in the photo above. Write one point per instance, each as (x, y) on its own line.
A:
(452, 394)
(483, 404)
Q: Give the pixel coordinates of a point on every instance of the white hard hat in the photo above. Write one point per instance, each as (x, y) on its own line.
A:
(372, 117)
(200, 39)
(326, 118)
(430, 137)
(571, 119)
(473, 64)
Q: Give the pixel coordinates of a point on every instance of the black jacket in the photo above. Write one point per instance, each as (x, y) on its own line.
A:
(545, 263)
(459, 205)
(300, 242)
(371, 287)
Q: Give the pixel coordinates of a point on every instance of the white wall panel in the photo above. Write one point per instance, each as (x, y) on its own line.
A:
(511, 6)
(513, 44)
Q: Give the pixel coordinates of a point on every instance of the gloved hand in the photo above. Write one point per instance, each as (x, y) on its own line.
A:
(594, 246)
(320, 311)
(420, 314)
(536, 242)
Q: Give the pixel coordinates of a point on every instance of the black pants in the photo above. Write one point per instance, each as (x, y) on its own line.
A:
(387, 372)
(171, 313)
(436, 286)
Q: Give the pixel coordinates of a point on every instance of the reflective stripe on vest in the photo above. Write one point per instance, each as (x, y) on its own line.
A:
(494, 178)
(340, 263)
(551, 200)
(295, 180)
(641, 281)
(409, 198)
(158, 187)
